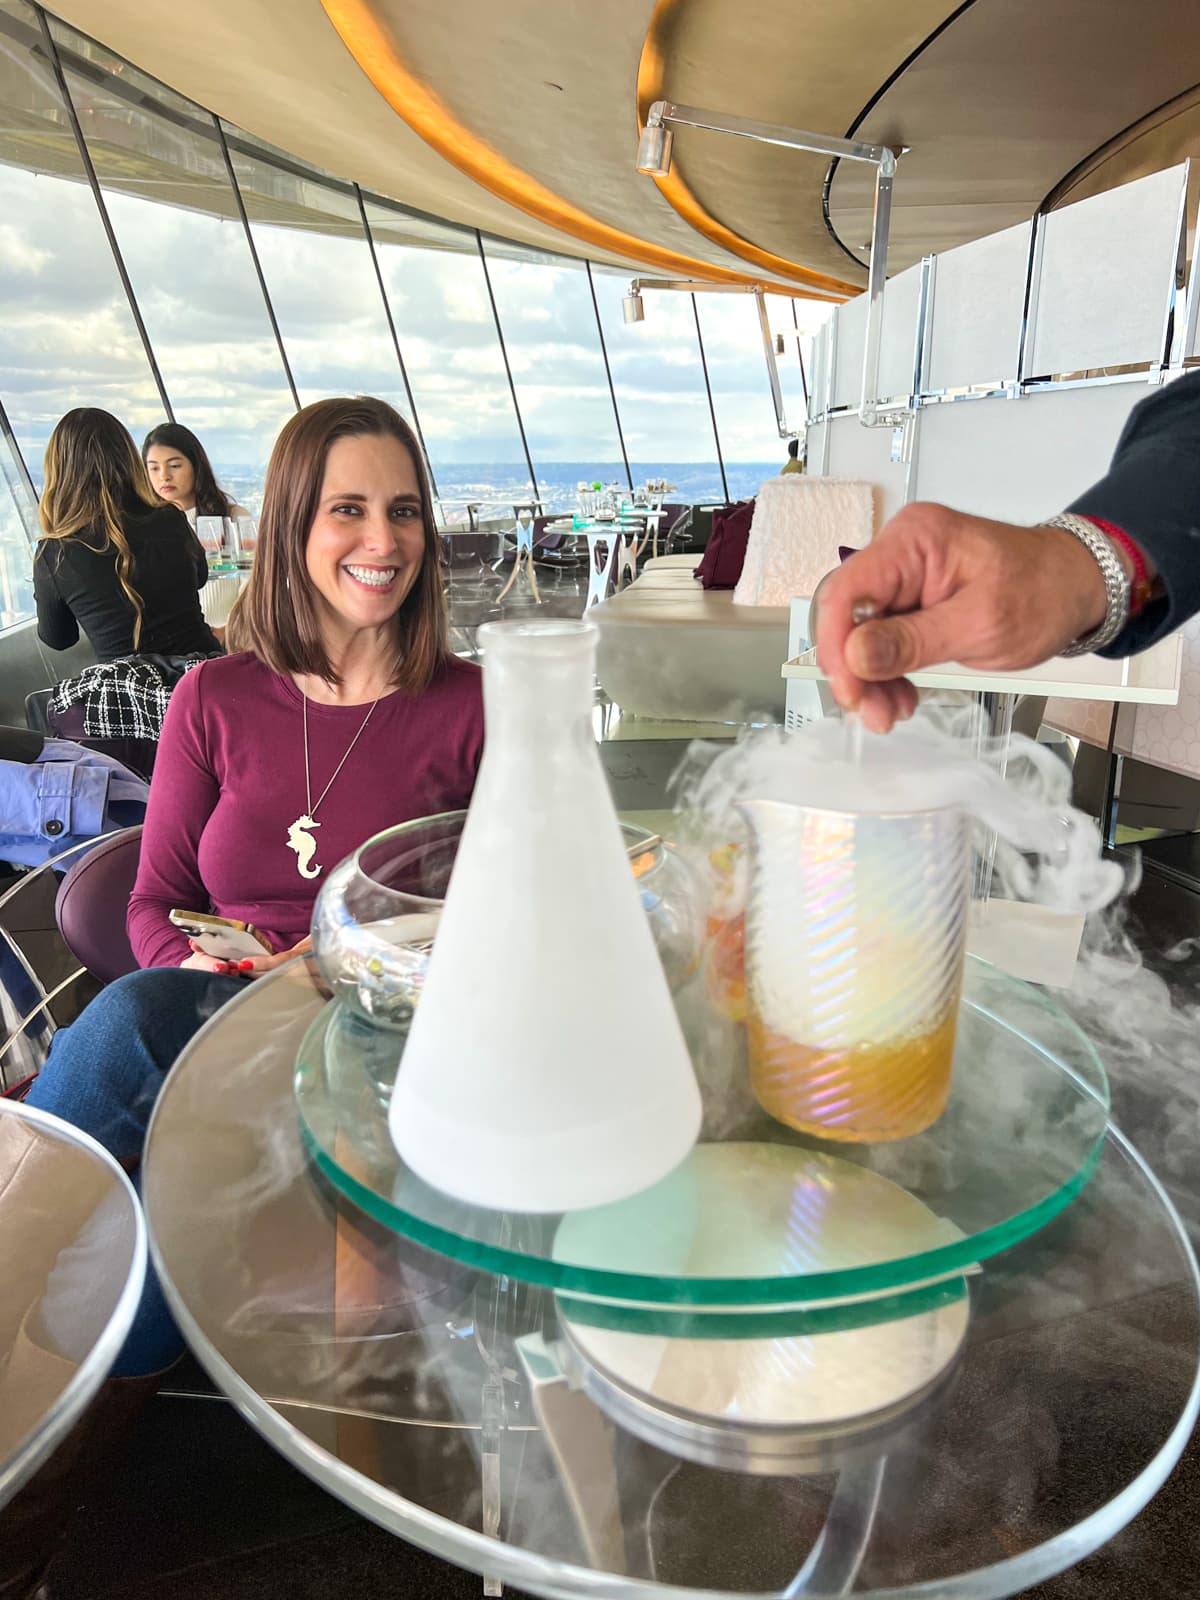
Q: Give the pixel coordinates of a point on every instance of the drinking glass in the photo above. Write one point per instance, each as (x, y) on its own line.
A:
(245, 538)
(211, 533)
(855, 933)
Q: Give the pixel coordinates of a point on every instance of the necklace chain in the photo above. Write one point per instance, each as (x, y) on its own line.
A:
(311, 811)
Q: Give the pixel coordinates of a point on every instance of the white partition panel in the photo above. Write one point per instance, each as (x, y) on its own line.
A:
(977, 305)
(815, 448)
(865, 456)
(851, 320)
(1107, 269)
(898, 339)
(1020, 460)
(818, 376)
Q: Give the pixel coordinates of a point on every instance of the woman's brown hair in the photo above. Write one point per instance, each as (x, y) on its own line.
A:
(94, 478)
(276, 616)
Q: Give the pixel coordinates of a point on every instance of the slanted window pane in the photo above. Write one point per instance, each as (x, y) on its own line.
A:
(659, 383)
(159, 162)
(549, 326)
(439, 302)
(18, 533)
(317, 265)
(794, 320)
(67, 337)
(737, 371)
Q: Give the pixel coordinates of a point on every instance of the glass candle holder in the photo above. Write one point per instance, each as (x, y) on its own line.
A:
(378, 911)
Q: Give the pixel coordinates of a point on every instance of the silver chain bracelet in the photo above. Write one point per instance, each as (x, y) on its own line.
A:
(1117, 588)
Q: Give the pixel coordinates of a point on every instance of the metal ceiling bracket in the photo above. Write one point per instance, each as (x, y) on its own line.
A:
(665, 114)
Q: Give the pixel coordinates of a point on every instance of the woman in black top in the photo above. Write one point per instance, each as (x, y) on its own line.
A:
(113, 560)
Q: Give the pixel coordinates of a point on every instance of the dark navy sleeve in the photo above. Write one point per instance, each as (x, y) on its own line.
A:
(1152, 492)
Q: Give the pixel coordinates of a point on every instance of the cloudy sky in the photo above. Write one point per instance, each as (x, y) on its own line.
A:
(67, 338)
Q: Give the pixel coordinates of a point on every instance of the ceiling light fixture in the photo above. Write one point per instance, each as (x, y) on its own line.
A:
(654, 150)
(654, 159)
(632, 308)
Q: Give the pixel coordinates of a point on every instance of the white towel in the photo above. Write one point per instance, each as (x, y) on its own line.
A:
(799, 522)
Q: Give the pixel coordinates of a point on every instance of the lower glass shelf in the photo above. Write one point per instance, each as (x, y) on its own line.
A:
(761, 1229)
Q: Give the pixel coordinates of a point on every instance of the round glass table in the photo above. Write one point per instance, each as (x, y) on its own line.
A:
(762, 1229)
(72, 1262)
(970, 1445)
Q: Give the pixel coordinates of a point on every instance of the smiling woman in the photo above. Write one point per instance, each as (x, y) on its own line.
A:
(345, 487)
(346, 714)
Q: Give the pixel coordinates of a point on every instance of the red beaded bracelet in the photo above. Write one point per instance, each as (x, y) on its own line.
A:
(1141, 587)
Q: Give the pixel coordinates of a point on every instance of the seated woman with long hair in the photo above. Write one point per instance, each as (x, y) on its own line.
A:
(113, 560)
(345, 714)
(182, 474)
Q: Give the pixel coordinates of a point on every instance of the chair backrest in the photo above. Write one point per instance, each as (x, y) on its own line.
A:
(37, 704)
(90, 908)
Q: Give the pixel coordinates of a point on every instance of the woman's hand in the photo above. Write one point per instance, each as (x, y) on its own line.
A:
(248, 967)
(255, 966)
(199, 962)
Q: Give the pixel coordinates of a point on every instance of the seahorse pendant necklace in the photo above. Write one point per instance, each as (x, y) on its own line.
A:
(299, 835)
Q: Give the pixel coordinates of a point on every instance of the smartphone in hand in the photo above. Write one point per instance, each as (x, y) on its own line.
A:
(223, 938)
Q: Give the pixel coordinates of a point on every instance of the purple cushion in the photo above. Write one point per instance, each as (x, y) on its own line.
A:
(91, 904)
(711, 550)
(730, 558)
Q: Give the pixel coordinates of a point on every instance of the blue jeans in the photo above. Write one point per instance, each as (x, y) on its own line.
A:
(104, 1073)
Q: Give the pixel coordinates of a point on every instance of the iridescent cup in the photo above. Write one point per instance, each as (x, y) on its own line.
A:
(856, 927)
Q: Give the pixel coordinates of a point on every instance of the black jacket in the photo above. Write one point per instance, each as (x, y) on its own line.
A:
(76, 587)
(1152, 491)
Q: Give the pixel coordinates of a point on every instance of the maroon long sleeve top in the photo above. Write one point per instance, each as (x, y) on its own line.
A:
(229, 782)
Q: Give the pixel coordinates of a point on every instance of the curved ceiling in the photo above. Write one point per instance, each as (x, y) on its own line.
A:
(1010, 97)
(495, 107)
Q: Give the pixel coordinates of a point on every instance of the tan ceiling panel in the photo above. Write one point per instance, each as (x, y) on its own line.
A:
(536, 156)
(1000, 102)
(812, 66)
(1163, 139)
(1006, 101)
(278, 69)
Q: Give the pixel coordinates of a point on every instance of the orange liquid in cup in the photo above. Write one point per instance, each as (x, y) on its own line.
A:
(859, 1094)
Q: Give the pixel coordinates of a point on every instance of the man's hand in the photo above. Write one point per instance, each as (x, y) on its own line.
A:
(937, 585)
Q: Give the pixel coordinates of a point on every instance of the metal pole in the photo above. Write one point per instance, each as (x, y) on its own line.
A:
(665, 112)
(608, 374)
(262, 282)
(512, 388)
(106, 221)
(387, 311)
(712, 410)
(800, 357)
(868, 413)
(15, 450)
(764, 324)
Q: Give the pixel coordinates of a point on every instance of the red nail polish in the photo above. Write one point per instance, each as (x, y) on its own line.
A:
(246, 966)
(223, 968)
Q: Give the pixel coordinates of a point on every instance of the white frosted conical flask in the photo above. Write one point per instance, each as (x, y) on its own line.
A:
(545, 1069)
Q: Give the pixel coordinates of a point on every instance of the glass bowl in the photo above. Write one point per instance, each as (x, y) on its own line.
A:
(377, 913)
